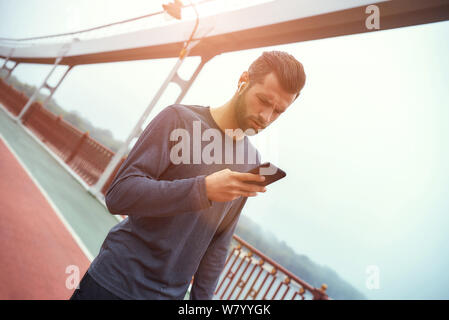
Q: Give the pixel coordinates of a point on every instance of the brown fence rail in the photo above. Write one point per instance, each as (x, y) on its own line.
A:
(11, 98)
(83, 154)
(248, 273)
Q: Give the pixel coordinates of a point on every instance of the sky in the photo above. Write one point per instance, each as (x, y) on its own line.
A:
(365, 147)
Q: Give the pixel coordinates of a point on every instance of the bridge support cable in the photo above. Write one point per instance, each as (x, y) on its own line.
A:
(53, 89)
(64, 50)
(137, 130)
(5, 67)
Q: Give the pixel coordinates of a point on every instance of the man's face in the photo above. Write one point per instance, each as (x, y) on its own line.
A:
(259, 105)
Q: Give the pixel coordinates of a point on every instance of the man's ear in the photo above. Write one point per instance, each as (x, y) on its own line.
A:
(243, 78)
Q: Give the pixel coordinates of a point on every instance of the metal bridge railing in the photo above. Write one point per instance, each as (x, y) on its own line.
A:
(249, 274)
(84, 155)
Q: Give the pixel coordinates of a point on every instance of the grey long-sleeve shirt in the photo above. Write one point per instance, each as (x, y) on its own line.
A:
(172, 231)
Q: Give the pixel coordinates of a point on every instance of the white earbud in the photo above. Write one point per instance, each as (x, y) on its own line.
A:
(241, 85)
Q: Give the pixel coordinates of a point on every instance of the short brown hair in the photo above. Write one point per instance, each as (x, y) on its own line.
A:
(288, 70)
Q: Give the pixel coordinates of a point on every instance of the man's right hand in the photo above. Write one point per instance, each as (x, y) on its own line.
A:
(227, 185)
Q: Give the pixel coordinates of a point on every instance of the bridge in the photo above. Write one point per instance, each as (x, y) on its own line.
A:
(55, 176)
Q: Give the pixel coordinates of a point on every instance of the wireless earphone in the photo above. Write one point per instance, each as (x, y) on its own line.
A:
(241, 85)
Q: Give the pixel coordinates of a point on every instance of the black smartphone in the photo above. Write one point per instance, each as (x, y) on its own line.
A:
(269, 171)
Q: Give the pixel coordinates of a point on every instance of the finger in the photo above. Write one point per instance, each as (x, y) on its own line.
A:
(248, 194)
(247, 176)
(249, 187)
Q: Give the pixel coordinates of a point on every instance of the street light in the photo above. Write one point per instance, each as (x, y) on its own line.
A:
(173, 9)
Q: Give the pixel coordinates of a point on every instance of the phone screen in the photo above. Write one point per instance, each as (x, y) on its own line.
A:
(269, 171)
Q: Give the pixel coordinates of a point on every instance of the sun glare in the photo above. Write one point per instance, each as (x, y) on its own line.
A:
(218, 6)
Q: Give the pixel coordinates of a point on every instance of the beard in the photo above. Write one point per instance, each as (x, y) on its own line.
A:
(241, 115)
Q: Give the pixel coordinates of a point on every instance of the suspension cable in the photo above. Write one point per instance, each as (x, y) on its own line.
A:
(184, 49)
(111, 24)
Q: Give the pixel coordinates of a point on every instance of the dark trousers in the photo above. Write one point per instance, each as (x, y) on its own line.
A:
(89, 289)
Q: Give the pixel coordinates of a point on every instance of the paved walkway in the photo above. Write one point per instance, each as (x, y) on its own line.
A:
(47, 219)
(35, 246)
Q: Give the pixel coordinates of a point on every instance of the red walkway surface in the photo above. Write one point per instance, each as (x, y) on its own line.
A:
(35, 246)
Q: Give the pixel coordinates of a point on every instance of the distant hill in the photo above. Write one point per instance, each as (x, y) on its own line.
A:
(298, 264)
(247, 229)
